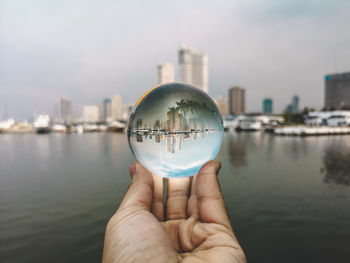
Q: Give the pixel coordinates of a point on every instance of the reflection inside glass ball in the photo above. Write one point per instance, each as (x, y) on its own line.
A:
(174, 129)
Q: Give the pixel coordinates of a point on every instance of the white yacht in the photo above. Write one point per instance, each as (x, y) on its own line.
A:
(60, 128)
(249, 124)
(42, 124)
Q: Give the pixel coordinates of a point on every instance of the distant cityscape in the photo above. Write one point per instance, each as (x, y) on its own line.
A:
(193, 69)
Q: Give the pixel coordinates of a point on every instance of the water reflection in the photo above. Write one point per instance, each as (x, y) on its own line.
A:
(237, 149)
(173, 140)
(336, 162)
(296, 147)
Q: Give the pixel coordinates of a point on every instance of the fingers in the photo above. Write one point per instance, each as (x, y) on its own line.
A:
(158, 204)
(211, 204)
(176, 204)
(192, 207)
(140, 192)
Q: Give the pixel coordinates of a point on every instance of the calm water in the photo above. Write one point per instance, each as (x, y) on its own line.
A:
(288, 198)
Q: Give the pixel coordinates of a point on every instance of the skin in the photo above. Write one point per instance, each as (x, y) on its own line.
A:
(193, 226)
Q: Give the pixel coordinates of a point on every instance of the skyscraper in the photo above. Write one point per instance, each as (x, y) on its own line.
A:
(117, 107)
(106, 110)
(295, 104)
(193, 67)
(64, 110)
(267, 105)
(166, 73)
(236, 100)
(91, 113)
(337, 91)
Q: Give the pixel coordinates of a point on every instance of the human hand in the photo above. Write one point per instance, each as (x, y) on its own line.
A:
(192, 227)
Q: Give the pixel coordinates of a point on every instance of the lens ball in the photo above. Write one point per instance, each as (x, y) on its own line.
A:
(174, 129)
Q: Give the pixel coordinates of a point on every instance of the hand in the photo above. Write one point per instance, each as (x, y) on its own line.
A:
(194, 228)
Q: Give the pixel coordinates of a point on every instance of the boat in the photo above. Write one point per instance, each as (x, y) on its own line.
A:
(5, 125)
(102, 128)
(42, 124)
(59, 128)
(90, 128)
(79, 128)
(249, 124)
(116, 126)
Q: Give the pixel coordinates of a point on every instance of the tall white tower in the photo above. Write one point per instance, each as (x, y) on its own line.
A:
(166, 73)
(193, 67)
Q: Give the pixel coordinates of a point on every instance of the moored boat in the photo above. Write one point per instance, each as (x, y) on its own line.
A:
(116, 126)
(42, 124)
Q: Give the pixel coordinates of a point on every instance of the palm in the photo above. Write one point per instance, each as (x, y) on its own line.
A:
(190, 229)
(201, 242)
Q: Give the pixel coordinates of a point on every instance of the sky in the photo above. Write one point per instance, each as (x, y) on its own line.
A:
(88, 50)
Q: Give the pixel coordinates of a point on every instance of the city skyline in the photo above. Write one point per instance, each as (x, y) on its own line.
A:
(273, 50)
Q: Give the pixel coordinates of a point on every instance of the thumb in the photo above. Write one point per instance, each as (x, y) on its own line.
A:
(212, 208)
(140, 192)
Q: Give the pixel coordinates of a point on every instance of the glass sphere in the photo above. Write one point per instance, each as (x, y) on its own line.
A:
(174, 129)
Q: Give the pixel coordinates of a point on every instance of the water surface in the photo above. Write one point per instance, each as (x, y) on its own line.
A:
(288, 198)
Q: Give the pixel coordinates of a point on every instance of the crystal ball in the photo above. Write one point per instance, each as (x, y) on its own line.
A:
(174, 129)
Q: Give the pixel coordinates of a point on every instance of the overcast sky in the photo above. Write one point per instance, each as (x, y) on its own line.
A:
(88, 50)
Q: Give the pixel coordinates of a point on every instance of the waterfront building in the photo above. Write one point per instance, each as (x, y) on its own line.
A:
(267, 105)
(236, 97)
(221, 103)
(193, 67)
(337, 91)
(295, 104)
(289, 108)
(166, 73)
(328, 118)
(91, 113)
(106, 110)
(117, 107)
(64, 110)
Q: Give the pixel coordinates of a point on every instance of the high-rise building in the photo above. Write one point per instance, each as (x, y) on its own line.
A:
(91, 113)
(64, 110)
(193, 67)
(337, 91)
(221, 103)
(236, 100)
(166, 73)
(267, 105)
(295, 104)
(106, 110)
(117, 107)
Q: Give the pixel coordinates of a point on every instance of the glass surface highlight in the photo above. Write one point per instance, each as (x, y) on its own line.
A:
(174, 129)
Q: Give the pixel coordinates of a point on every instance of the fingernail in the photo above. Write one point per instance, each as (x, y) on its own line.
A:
(132, 170)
